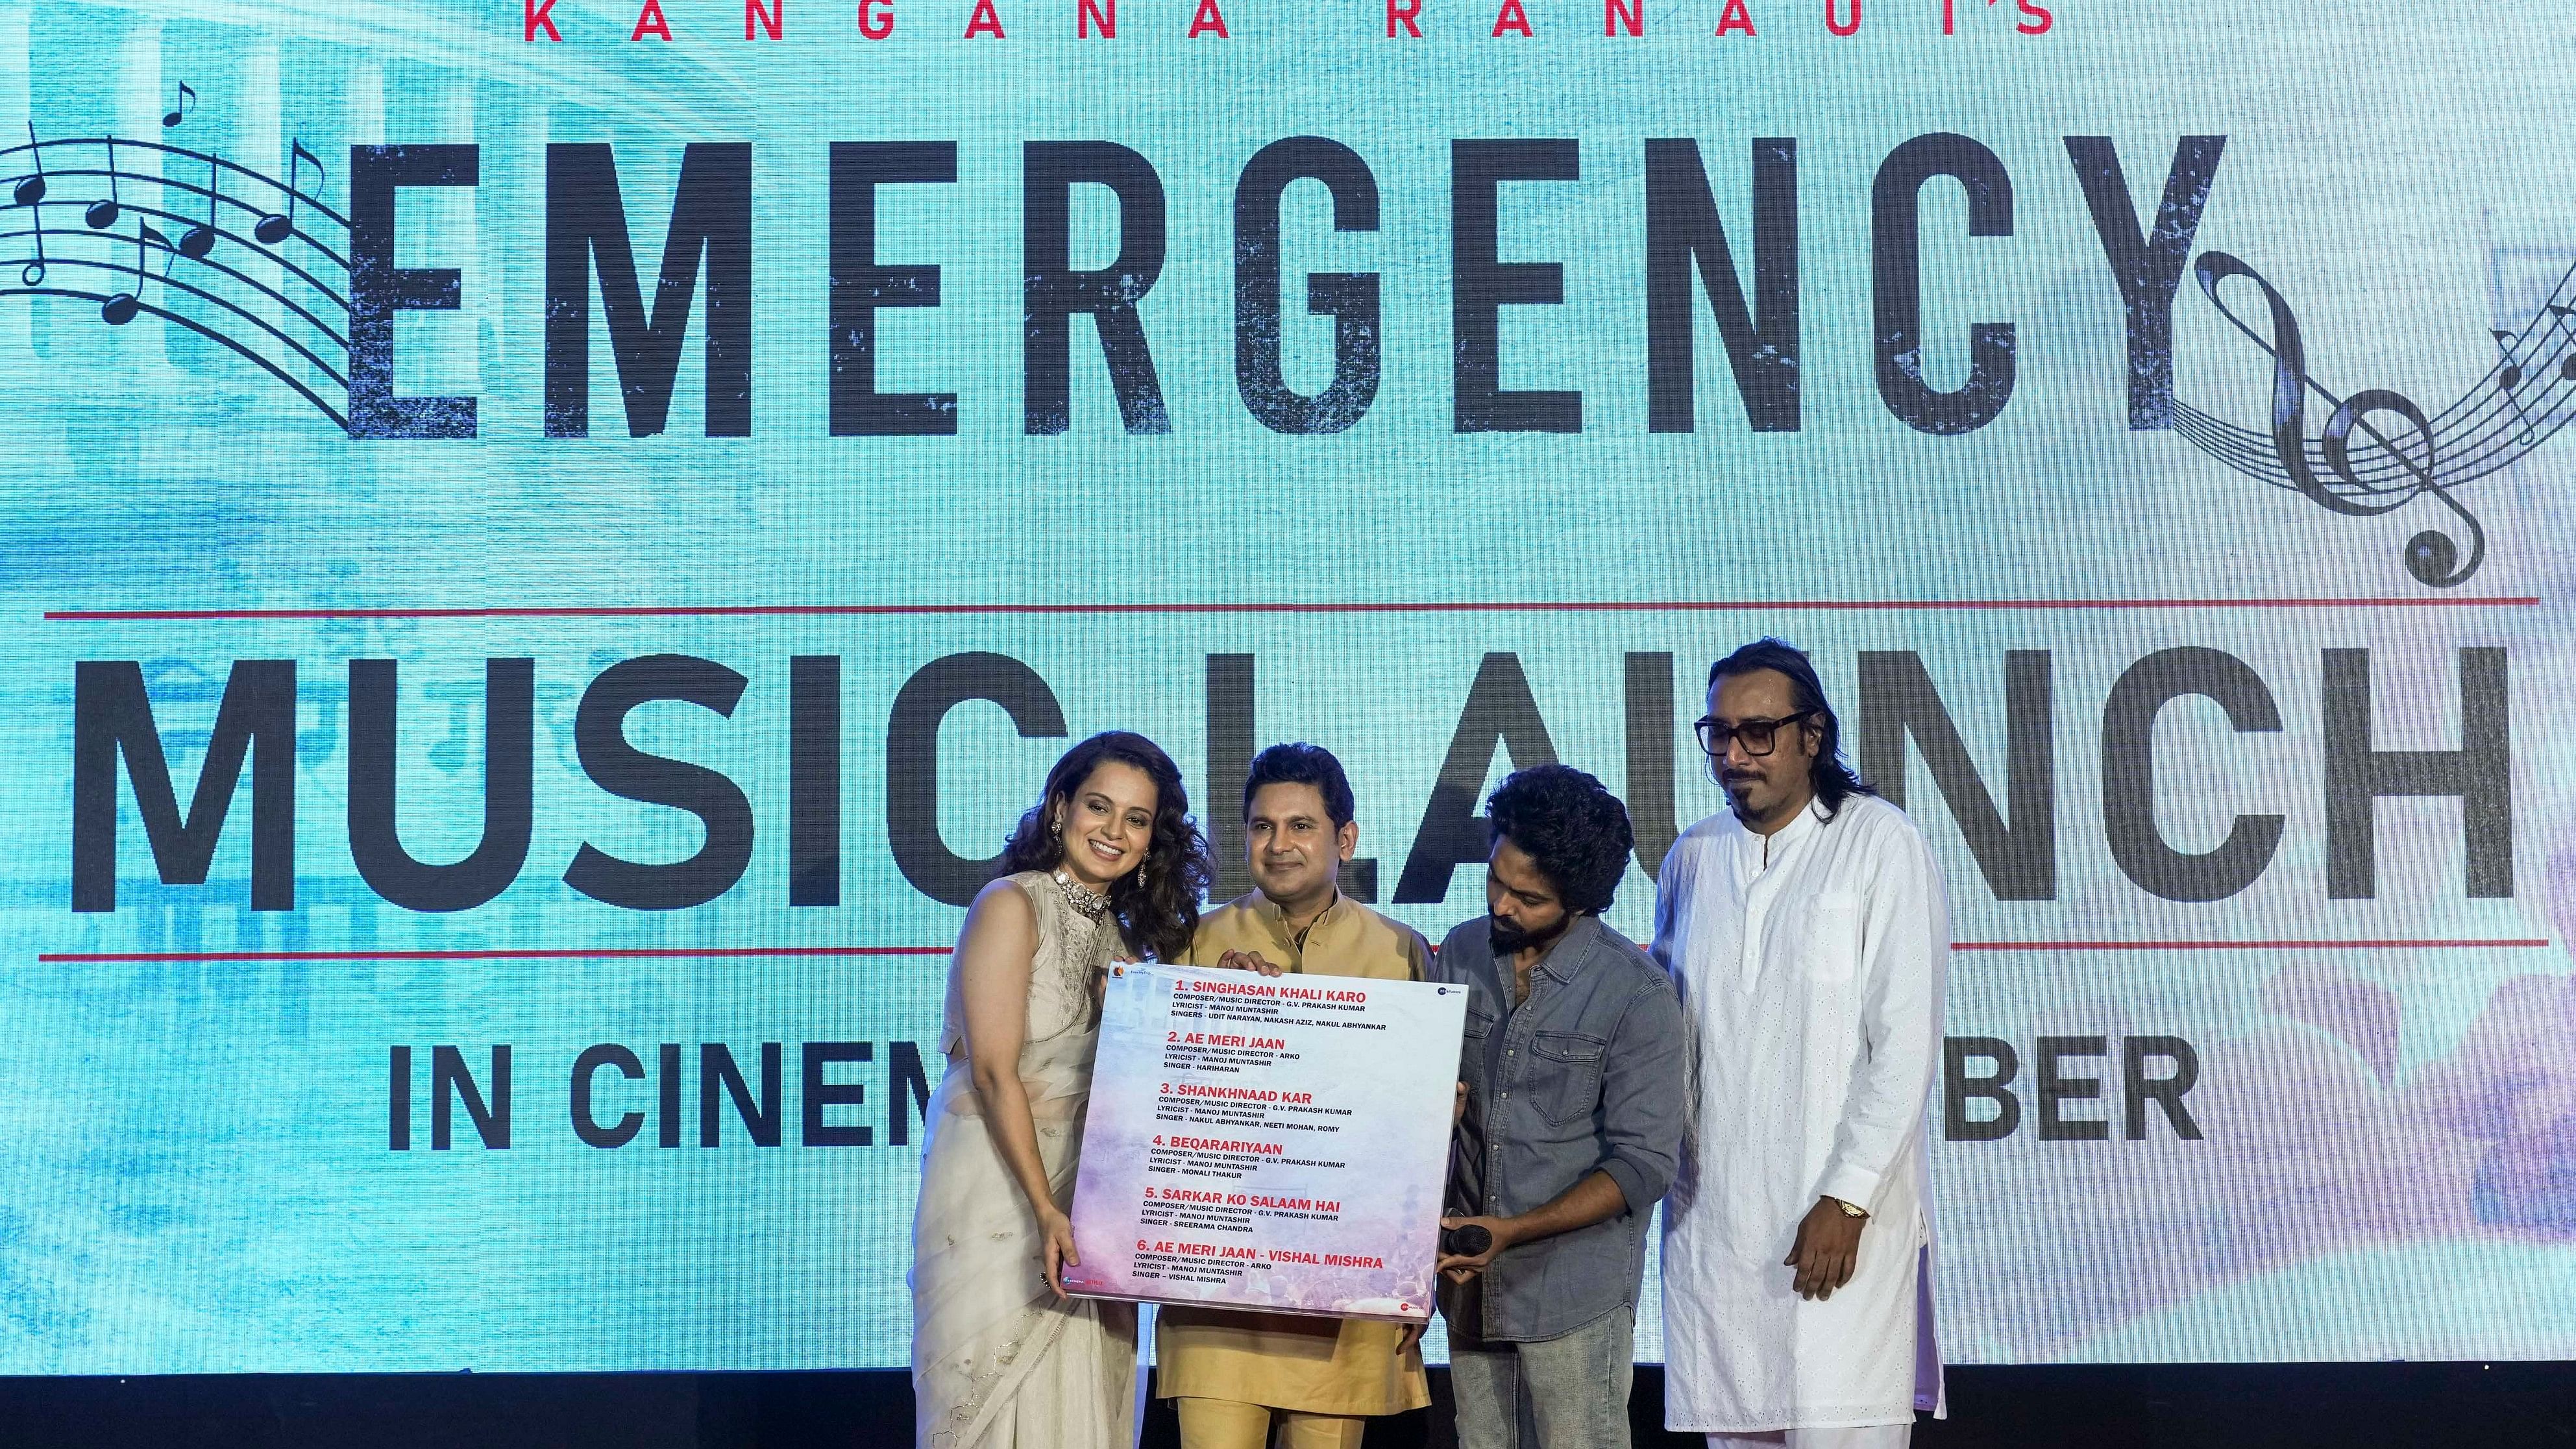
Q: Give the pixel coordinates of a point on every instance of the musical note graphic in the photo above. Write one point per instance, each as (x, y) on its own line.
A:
(31, 189)
(120, 308)
(102, 214)
(196, 241)
(2511, 378)
(2386, 477)
(288, 315)
(455, 750)
(2354, 468)
(30, 193)
(2559, 315)
(278, 226)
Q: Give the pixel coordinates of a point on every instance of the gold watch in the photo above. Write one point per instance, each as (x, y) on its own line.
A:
(1849, 1210)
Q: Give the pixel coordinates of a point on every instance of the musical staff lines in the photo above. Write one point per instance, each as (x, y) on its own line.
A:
(2354, 467)
(63, 232)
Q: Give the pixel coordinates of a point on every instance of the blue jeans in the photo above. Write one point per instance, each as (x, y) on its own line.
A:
(1566, 1392)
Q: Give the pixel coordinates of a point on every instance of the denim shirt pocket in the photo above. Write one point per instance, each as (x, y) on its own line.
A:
(1471, 1044)
(1565, 1075)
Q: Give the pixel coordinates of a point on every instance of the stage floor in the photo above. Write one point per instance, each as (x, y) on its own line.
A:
(2191, 1406)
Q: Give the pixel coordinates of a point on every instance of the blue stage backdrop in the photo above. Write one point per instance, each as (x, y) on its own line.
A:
(546, 541)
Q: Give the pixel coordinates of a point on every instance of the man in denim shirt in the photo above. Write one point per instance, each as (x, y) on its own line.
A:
(1573, 1067)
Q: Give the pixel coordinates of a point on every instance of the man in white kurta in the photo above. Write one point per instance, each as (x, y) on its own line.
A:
(1808, 943)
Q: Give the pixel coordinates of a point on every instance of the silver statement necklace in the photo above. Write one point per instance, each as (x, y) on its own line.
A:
(1090, 907)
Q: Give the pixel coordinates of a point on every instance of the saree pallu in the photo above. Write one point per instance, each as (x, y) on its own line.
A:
(997, 1361)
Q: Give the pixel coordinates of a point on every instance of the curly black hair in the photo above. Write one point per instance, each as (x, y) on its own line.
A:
(1157, 903)
(1571, 826)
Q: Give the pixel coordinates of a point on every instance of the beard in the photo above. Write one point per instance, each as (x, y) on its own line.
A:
(1750, 795)
(1510, 940)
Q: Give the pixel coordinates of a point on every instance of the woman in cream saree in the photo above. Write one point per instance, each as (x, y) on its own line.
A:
(1108, 863)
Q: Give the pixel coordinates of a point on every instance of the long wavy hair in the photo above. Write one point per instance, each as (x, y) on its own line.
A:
(1157, 903)
(1830, 775)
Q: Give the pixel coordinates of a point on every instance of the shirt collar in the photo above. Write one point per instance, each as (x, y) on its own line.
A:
(1570, 949)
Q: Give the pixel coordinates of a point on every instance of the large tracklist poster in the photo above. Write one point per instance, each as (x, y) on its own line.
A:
(547, 540)
(1275, 1144)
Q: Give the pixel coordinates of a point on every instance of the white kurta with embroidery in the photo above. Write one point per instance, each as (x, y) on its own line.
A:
(1812, 985)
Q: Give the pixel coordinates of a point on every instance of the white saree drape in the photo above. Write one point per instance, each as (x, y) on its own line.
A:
(997, 1361)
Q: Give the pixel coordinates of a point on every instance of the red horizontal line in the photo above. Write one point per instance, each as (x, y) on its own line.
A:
(605, 953)
(1669, 606)
(656, 953)
(2390, 945)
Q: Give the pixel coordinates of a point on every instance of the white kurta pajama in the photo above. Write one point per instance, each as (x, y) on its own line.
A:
(1812, 989)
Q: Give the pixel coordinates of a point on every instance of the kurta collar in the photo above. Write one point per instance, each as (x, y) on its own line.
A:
(1271, 912)
(1806, 823)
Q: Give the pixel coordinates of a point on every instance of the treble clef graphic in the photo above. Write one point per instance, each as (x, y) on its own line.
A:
(2431, 556)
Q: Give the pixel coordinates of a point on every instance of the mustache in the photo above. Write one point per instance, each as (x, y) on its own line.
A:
(1508, 939)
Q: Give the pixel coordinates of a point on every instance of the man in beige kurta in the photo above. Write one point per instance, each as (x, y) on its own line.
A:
(1235, 1374)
